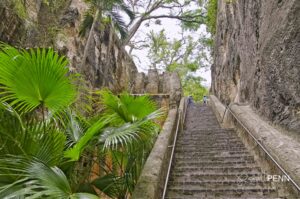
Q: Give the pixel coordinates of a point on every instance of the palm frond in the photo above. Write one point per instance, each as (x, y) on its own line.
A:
(138, 106)
(33, 78)
(119, 23)
(126, 107)
(86, 23)
(33, 179)
(109, 184)
(74, 153)
(125, 8)
(47, 147)
(114, 137)
(74, 125)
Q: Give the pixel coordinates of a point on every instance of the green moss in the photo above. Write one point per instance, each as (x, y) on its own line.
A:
(211, 21)
(18, 7)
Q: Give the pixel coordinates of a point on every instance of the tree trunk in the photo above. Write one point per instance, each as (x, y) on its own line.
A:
(83, 68)
(133, 30)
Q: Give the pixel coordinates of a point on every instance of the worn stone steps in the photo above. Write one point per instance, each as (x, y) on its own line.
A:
(241, 177)
(209, 149)
(203, 141)
(218, 155)
(214, 183)
(218, 137)
(220, 158)
(201, 163)
(233, 191)
(212, 152)
(211, 162)
(196, 188)
(216, 167)
(232, 197)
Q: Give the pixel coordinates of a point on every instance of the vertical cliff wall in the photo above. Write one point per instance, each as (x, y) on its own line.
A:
(256, 57)
(36, 24)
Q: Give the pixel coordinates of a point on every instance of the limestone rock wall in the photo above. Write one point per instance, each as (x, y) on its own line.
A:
(107, 64)
(165, 87)
(256, 58)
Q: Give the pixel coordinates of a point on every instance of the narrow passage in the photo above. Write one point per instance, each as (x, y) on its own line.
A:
(212, 162)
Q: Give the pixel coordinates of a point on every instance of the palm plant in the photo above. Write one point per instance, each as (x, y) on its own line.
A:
(27, 151)
(36, 80)
(127, 142)
(103, 12)
(31, 80)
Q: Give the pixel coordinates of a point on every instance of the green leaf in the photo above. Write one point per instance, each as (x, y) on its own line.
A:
(33, 78)
(34, 179)
(74, 153)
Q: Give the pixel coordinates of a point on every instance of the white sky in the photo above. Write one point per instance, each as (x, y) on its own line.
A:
(172, 30)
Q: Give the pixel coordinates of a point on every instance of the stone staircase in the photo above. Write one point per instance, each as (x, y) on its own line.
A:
(212, 162)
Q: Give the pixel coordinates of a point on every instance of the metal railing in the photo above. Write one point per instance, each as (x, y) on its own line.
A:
(180, 121)
(265, 150)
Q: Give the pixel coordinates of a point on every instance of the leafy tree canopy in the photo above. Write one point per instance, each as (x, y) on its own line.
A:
(184, 56)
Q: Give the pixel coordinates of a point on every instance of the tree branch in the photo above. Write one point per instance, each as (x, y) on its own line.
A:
(190, 19)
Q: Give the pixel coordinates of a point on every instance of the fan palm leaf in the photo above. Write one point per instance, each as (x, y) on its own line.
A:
(32, 179)
(126, 107)
(33, 78)
(74, 153)
(114, 137)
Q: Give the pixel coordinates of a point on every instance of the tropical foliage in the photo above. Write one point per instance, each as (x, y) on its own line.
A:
(192, 87)
(211, 20)
(185, 56)
(105, 13)
(50, 150)
(100, 14)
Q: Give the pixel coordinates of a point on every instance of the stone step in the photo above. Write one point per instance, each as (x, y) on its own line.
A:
(218, 159)
(218, 147)
(208, 144)
(183, 150)
(230, 191)
(215, 157)
(239, 182)
(241, 177)
(201, 163)
(203, 144)
(209, 149)
(218, 170)
(211, 155)
(210, 132)
(205, 167)
(202, 139)
(225, 186)
(220, 197)
(202, 135)
(246, 194)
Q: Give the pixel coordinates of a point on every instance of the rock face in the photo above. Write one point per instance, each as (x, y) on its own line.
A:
(166, 86)
(256, 58)
(107, 64)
